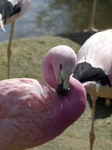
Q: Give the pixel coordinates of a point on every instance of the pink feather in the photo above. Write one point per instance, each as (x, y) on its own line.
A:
(32, 114)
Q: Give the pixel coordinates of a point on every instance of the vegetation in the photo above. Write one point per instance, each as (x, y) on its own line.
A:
(27, 55)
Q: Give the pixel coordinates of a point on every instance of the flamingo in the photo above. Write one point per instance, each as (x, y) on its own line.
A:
(94, 70)
(10, 10)
(31, 113)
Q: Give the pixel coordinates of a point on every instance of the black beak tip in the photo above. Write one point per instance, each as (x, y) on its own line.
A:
(60, 91)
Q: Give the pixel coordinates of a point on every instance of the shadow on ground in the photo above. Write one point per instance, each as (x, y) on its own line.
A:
(101, 110)
(78, 37)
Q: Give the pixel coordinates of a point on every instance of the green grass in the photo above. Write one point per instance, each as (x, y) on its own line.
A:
(27, 55)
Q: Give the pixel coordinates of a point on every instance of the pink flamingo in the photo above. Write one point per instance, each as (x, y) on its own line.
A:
(31, 113)
(94, 70)
(10, 10)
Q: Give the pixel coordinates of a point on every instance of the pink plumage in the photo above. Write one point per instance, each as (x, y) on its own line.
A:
(32, 114)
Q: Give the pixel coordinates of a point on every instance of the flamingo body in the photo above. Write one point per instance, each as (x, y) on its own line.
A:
(94, 69)
(94, 62)
(32, 114)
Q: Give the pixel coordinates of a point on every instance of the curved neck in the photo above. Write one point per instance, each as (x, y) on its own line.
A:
(48, 72)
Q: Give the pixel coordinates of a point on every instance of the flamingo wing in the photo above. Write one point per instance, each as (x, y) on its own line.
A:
(96, 52)
(9, 8)
(17, 95)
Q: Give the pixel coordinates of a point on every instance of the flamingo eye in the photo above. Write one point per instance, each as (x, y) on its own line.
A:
(60, 66)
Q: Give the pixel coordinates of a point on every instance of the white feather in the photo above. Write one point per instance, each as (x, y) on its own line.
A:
(1, 23)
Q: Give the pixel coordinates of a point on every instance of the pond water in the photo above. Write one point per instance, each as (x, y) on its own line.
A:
(50, 17)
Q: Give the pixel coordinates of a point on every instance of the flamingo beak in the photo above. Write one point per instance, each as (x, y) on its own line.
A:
(63, 83)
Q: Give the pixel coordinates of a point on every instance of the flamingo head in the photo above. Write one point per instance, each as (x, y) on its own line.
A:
(62, 60)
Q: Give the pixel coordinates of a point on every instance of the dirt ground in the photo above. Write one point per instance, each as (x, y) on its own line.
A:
(27, 55)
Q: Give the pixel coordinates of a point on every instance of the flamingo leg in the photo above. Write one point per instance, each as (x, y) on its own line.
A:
(91, 27)
(92, 135)
(9, 52)
(111, 135)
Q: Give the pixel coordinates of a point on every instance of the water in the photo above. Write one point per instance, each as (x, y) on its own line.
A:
(50, 17)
